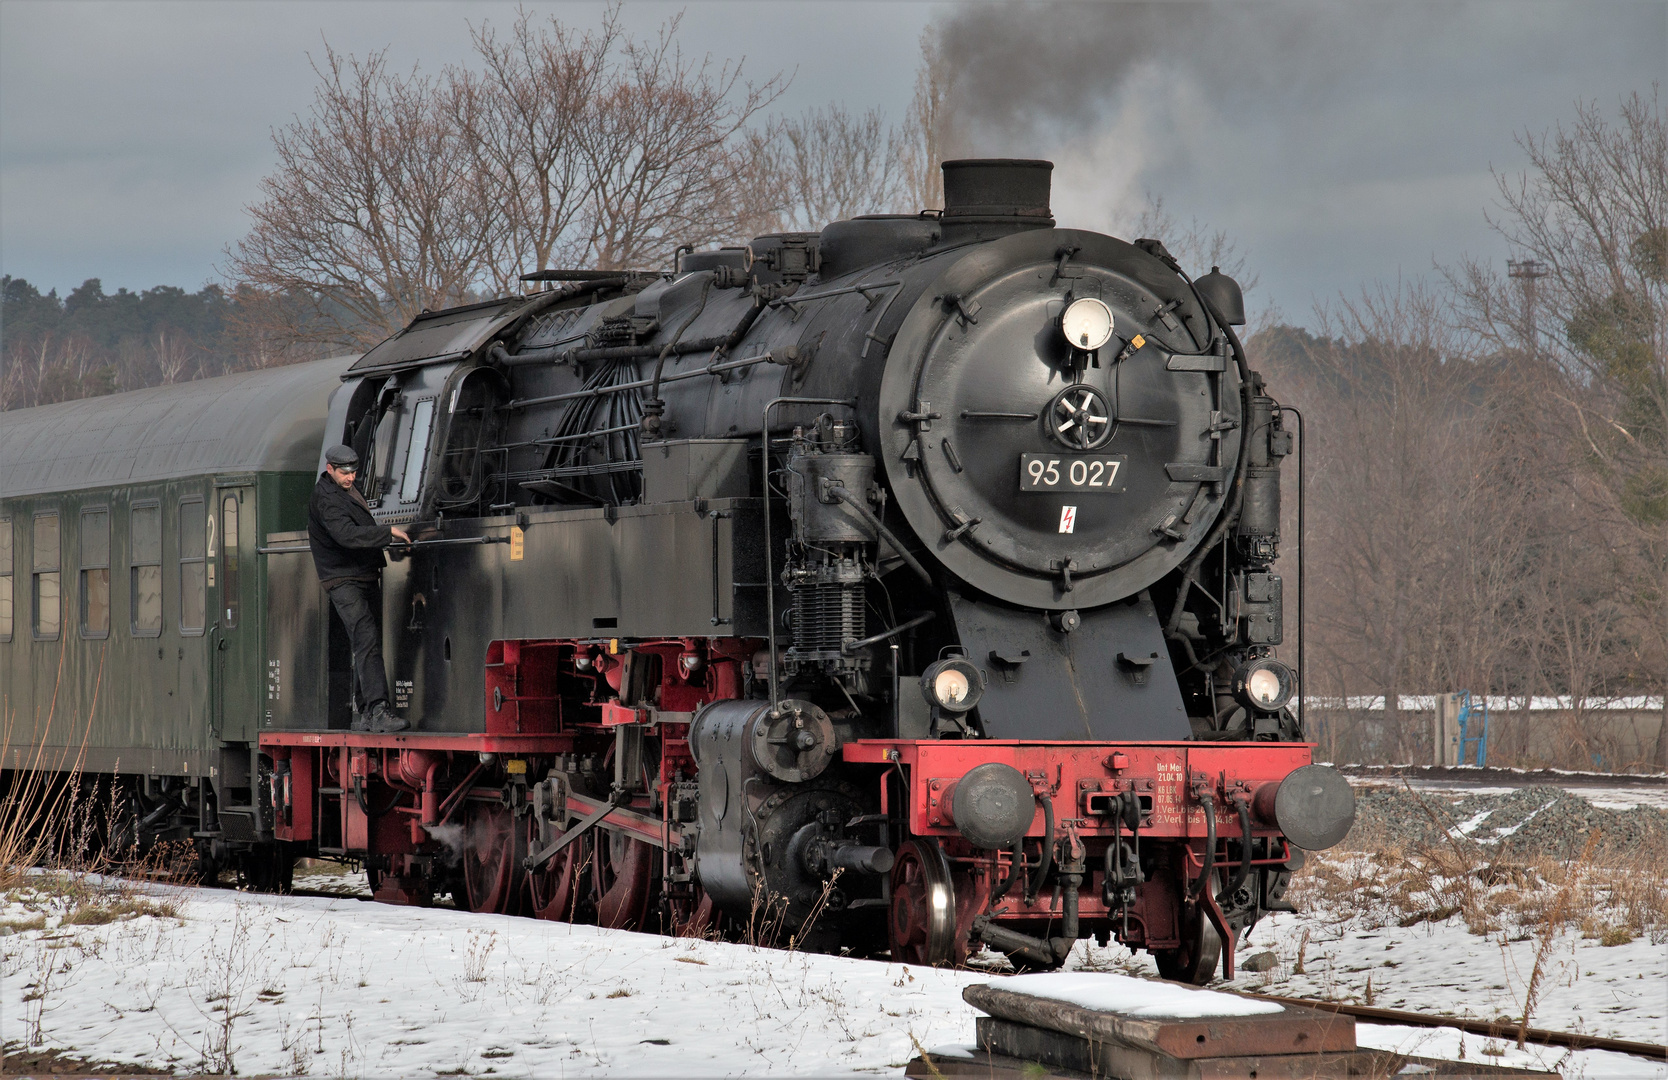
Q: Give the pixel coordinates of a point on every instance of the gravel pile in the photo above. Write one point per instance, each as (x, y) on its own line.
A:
(1525, 823)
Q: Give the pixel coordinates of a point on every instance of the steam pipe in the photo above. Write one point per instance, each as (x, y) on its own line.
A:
(1302, 562)
(1209, 804)
(845, 496)
(1046, 865)
(1016, 945)
(617, 388)
(654, 406)
(431, 795)
(852, 646)
(455, 799)
(609, 352)
(1069, 926)
(1244, 871)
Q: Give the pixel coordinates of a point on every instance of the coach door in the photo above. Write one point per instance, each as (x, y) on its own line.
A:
(236, 648)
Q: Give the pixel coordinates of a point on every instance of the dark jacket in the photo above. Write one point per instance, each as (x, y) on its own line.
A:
(346, 540)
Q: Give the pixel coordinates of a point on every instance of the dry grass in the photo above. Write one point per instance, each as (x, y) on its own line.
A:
(1614, 898)
(40, 803)
(1614, 893)
(53, 824)
(37, 921)
(100, 913)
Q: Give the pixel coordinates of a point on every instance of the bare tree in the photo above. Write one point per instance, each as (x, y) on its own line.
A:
(922, 145)
(1386, 440)
(522, 118)
(1196, 246)
(663, 149)
(1591, 218)
(832, 164)
(375, 211)
(170, 354)
(54, 367)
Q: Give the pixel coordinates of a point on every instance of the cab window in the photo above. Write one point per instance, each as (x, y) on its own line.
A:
(417, 451)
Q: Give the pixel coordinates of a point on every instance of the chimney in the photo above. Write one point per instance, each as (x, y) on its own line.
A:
(1007, 193)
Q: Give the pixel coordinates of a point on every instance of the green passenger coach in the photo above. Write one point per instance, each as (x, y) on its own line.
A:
(131, 633)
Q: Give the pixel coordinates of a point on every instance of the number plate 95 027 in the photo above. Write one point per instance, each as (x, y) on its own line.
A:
(1071, 472)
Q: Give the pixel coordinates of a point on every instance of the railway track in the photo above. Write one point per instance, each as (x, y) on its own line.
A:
(1470, 775)
(1493, 1029)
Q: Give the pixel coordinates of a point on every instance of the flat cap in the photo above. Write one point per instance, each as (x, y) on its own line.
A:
(342, 456)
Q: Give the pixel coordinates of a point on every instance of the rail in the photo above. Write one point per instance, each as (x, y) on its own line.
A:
(459, 541)
(1493, 1029)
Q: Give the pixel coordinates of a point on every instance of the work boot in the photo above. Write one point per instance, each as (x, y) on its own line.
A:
(383, 721)
(361, 720)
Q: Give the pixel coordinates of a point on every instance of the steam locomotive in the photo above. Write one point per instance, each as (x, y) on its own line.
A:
(904, 588)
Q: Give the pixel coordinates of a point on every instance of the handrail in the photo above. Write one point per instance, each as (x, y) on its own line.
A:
(217, 707)
(1302, 562)
(456, 541)
(795, 300)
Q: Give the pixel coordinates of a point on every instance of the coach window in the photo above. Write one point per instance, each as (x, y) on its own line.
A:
(48, 587)
(145, 569)
(95, 573)
(193, 566)
(228, 558)
(5, 579)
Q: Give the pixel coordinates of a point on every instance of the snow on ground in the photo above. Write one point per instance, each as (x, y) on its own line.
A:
(1618, 991)
(1105, 991)
(1613, 991)
(297, 985)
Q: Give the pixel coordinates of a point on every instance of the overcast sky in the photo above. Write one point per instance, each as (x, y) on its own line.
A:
(1338, 142)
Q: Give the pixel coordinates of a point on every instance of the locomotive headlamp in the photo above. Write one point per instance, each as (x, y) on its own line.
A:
(1087, 323)
(1264, 684)
(953, 684)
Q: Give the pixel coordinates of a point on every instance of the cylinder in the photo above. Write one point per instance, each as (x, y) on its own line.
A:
(862, 859)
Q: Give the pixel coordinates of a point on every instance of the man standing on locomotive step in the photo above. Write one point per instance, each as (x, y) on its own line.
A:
(347, 548)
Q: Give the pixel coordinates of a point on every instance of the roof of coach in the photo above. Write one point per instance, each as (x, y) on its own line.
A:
(255, 421)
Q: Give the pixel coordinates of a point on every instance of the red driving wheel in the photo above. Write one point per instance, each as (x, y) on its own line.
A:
(554, 888)
(622, 878)
(492, 873)
(922, 926)
(694, 916)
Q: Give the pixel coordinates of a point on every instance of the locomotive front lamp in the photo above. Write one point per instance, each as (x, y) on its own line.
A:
(1087, 323)
(953, 684)
(1264, 684)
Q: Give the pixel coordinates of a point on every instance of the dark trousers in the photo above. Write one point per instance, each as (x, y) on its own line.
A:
(359, 605)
